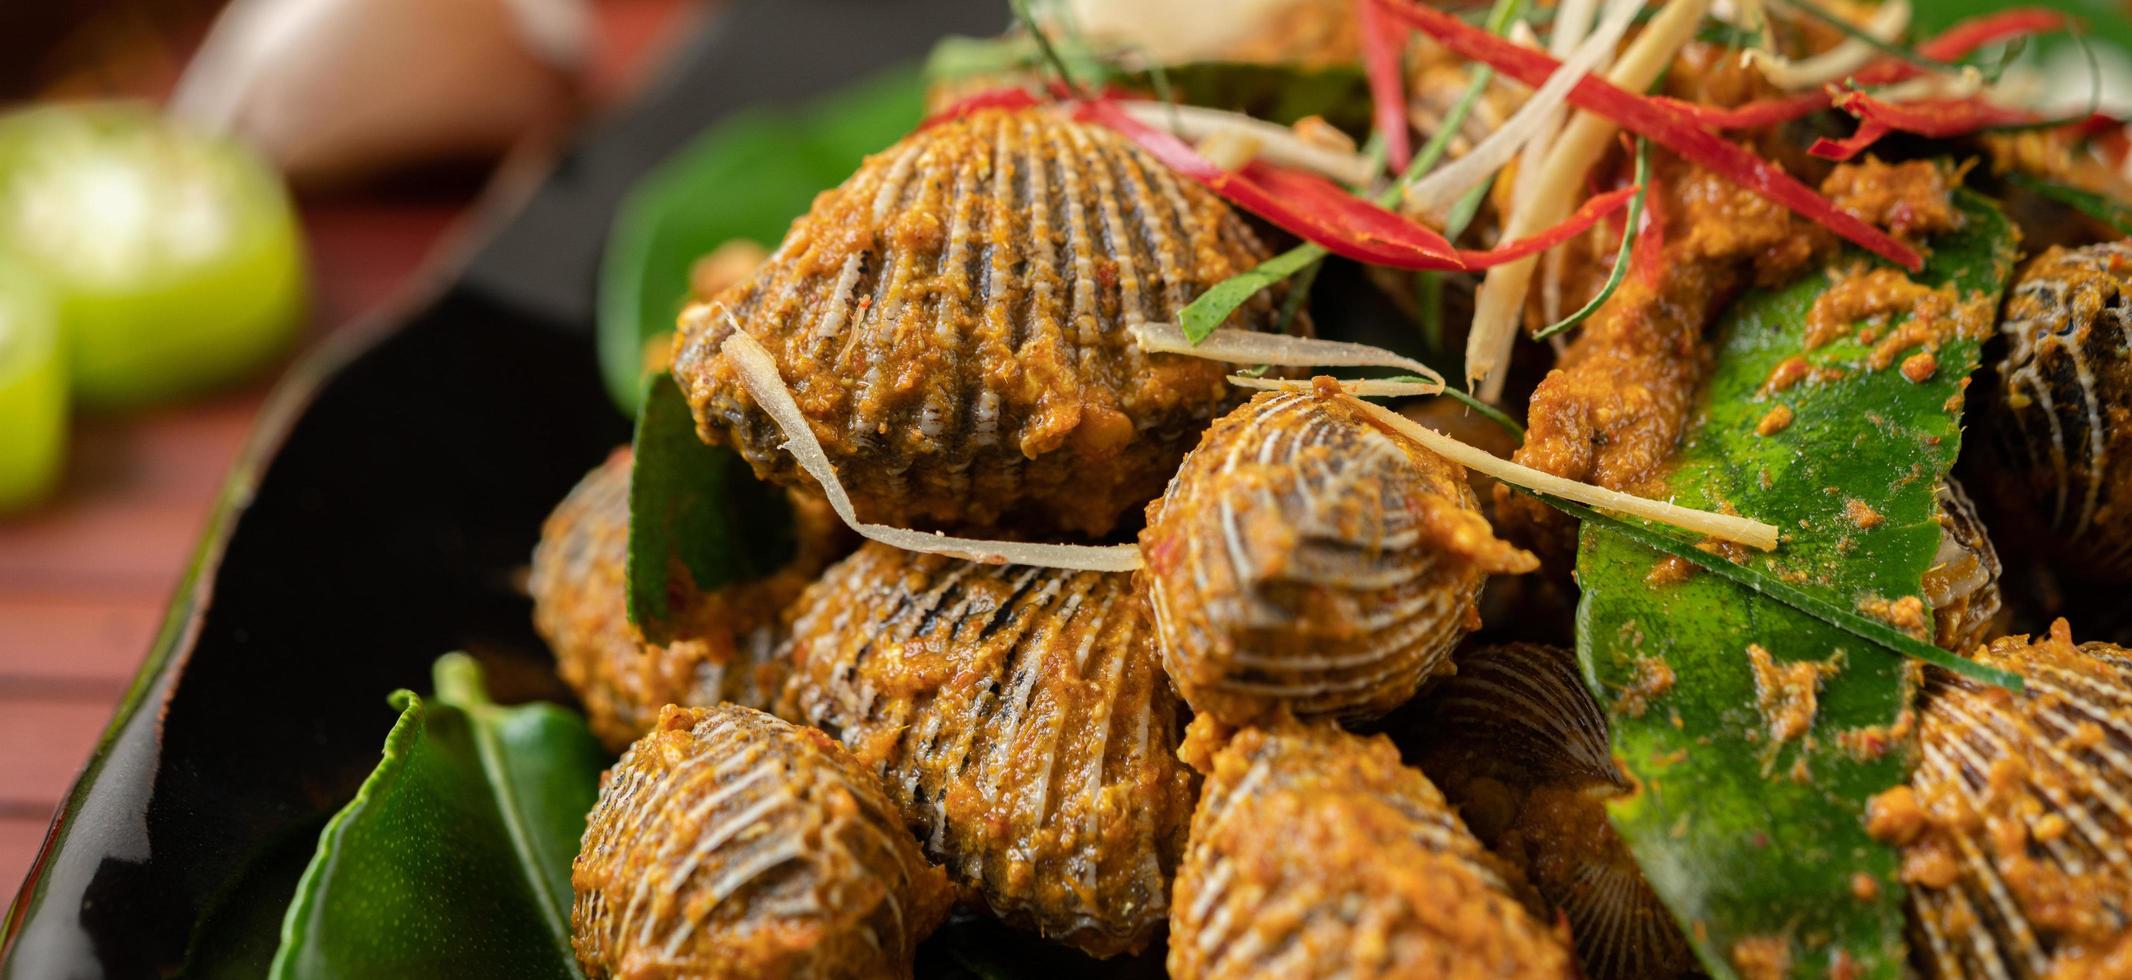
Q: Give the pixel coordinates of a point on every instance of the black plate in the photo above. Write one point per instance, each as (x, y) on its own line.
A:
(388, 502)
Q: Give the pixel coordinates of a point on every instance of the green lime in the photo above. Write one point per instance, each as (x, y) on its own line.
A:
(173, 258)
(33, 392)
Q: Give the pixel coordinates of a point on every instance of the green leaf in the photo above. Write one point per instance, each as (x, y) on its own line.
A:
(1207, 311)
(1746, 836)
(1762, 583)
(694, 510)
(2109, 212)
(746, 178)
(454, 857)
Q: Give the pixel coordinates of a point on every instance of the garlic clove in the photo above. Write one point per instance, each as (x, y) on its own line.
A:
(335, 91)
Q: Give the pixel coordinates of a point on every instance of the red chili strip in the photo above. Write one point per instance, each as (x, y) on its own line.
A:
(1930, 118)
(1934, 118)
(1591, 213)
(1655, 121)
(1383, 44)
(1956, 42)
(1867, 134)
(1306, 205)
(2006, 25)
(998, 98)
(1759, 114)
(2108, 135)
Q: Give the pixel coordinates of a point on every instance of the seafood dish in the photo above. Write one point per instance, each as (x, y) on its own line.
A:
(1390, 488)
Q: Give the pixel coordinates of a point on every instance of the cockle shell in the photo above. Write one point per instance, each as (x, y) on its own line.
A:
(1962, 585)
(1315, 853)
(1020, 718)
(1304, 560)
(2062, 419)
(2016, 828)
(1517, 743)
(952, 320)
(729, 844)
(726, 636)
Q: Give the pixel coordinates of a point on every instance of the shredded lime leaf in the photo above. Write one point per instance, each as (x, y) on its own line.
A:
(1429, 308)
(1297, 296)
(1487, 411)
(1043, 43)
(1621, 256)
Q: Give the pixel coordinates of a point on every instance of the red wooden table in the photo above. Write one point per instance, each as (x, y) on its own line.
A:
(83, 580)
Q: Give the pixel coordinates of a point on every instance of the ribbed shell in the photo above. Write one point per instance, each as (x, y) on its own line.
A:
(729, 844)
(953, 321)
(579, 607)
(1517, 743)
(1962, 586)
(1020, 718)
(1315, 853)
(2019, 864)
(2062, 421)
(1304, 560)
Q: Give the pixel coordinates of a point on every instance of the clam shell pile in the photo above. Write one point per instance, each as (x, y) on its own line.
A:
(728, 843)
(1517, 743)
(952, 320)
(1019, 718)
(2014, 828)
(955, 324)
(2061, 424)
(1316, 853)
(726, 637)
(1305, 561)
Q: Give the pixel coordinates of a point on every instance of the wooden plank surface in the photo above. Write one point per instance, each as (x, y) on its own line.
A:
(84, 579)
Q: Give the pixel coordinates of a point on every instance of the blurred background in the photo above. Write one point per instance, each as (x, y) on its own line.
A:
(283, 168)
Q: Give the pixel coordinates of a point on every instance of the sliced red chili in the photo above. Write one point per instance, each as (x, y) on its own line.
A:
(2006, 25)
(998, 98)
(1930, 118)
(1383, 45)
(1867, 134)
(1956, 42)
(1591, 213)
(1934, 118)
(1964, 37)
(1759, 114)
(1305, 204)
(1659, 123)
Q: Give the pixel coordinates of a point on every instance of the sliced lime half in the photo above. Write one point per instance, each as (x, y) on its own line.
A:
(33, 392)
(173, 258)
